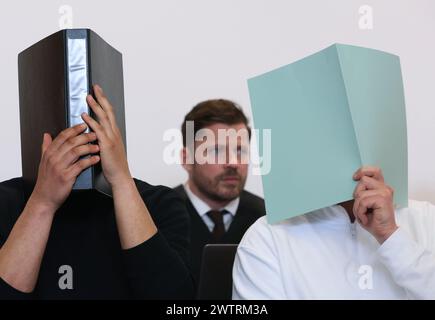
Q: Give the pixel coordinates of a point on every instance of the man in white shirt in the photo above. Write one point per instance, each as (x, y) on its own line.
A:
(325, 254)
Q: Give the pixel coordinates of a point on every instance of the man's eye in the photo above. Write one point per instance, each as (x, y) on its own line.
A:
(242, 151)
(218, 150)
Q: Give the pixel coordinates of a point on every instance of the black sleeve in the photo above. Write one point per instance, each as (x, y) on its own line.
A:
(6, 291)
(10, 293)
(11, 206)
(159, 267)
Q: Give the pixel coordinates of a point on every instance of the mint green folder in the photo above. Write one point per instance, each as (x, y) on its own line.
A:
(329, 114)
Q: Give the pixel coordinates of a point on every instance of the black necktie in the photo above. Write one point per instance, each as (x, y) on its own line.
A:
(218, 219)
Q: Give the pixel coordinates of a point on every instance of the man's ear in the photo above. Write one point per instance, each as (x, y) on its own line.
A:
(186, 160)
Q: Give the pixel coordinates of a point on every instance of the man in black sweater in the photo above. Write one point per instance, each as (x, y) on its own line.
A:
(219, 207)
(58, 244)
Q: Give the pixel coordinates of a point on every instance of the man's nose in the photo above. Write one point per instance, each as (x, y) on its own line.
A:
(231, 165)
(232, 159)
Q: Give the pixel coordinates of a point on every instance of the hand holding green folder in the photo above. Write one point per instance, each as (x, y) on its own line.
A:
(330, 113)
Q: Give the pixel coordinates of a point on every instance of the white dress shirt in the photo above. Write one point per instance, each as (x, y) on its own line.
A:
(321, 255)
(202, 208)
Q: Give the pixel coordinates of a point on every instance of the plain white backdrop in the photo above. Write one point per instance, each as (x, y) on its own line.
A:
(179, 52)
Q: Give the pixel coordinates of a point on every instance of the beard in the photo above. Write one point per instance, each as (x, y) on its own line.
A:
(216, 188)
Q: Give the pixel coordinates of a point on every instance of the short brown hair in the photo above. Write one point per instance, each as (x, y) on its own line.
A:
(209, 112)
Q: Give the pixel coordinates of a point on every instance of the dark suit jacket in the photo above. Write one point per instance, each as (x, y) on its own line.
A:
(251, 207)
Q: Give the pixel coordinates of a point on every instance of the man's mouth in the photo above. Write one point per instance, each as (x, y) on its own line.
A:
(231, 178)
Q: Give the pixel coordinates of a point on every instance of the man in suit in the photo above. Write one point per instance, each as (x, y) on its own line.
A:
(219, 207)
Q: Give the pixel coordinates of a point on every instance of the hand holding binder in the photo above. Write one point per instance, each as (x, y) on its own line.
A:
(61, 162)
(112, 151)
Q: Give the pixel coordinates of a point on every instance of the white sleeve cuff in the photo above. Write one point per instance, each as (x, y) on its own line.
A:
(411, 266)
(399, 252)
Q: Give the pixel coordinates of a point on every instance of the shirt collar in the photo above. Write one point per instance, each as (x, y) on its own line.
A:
(202, 208)
(334, 214)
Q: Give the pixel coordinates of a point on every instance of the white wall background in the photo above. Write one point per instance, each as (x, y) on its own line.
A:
(178, 52)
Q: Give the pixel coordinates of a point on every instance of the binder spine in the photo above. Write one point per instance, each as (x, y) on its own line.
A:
(77, 88)
(77, 69)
